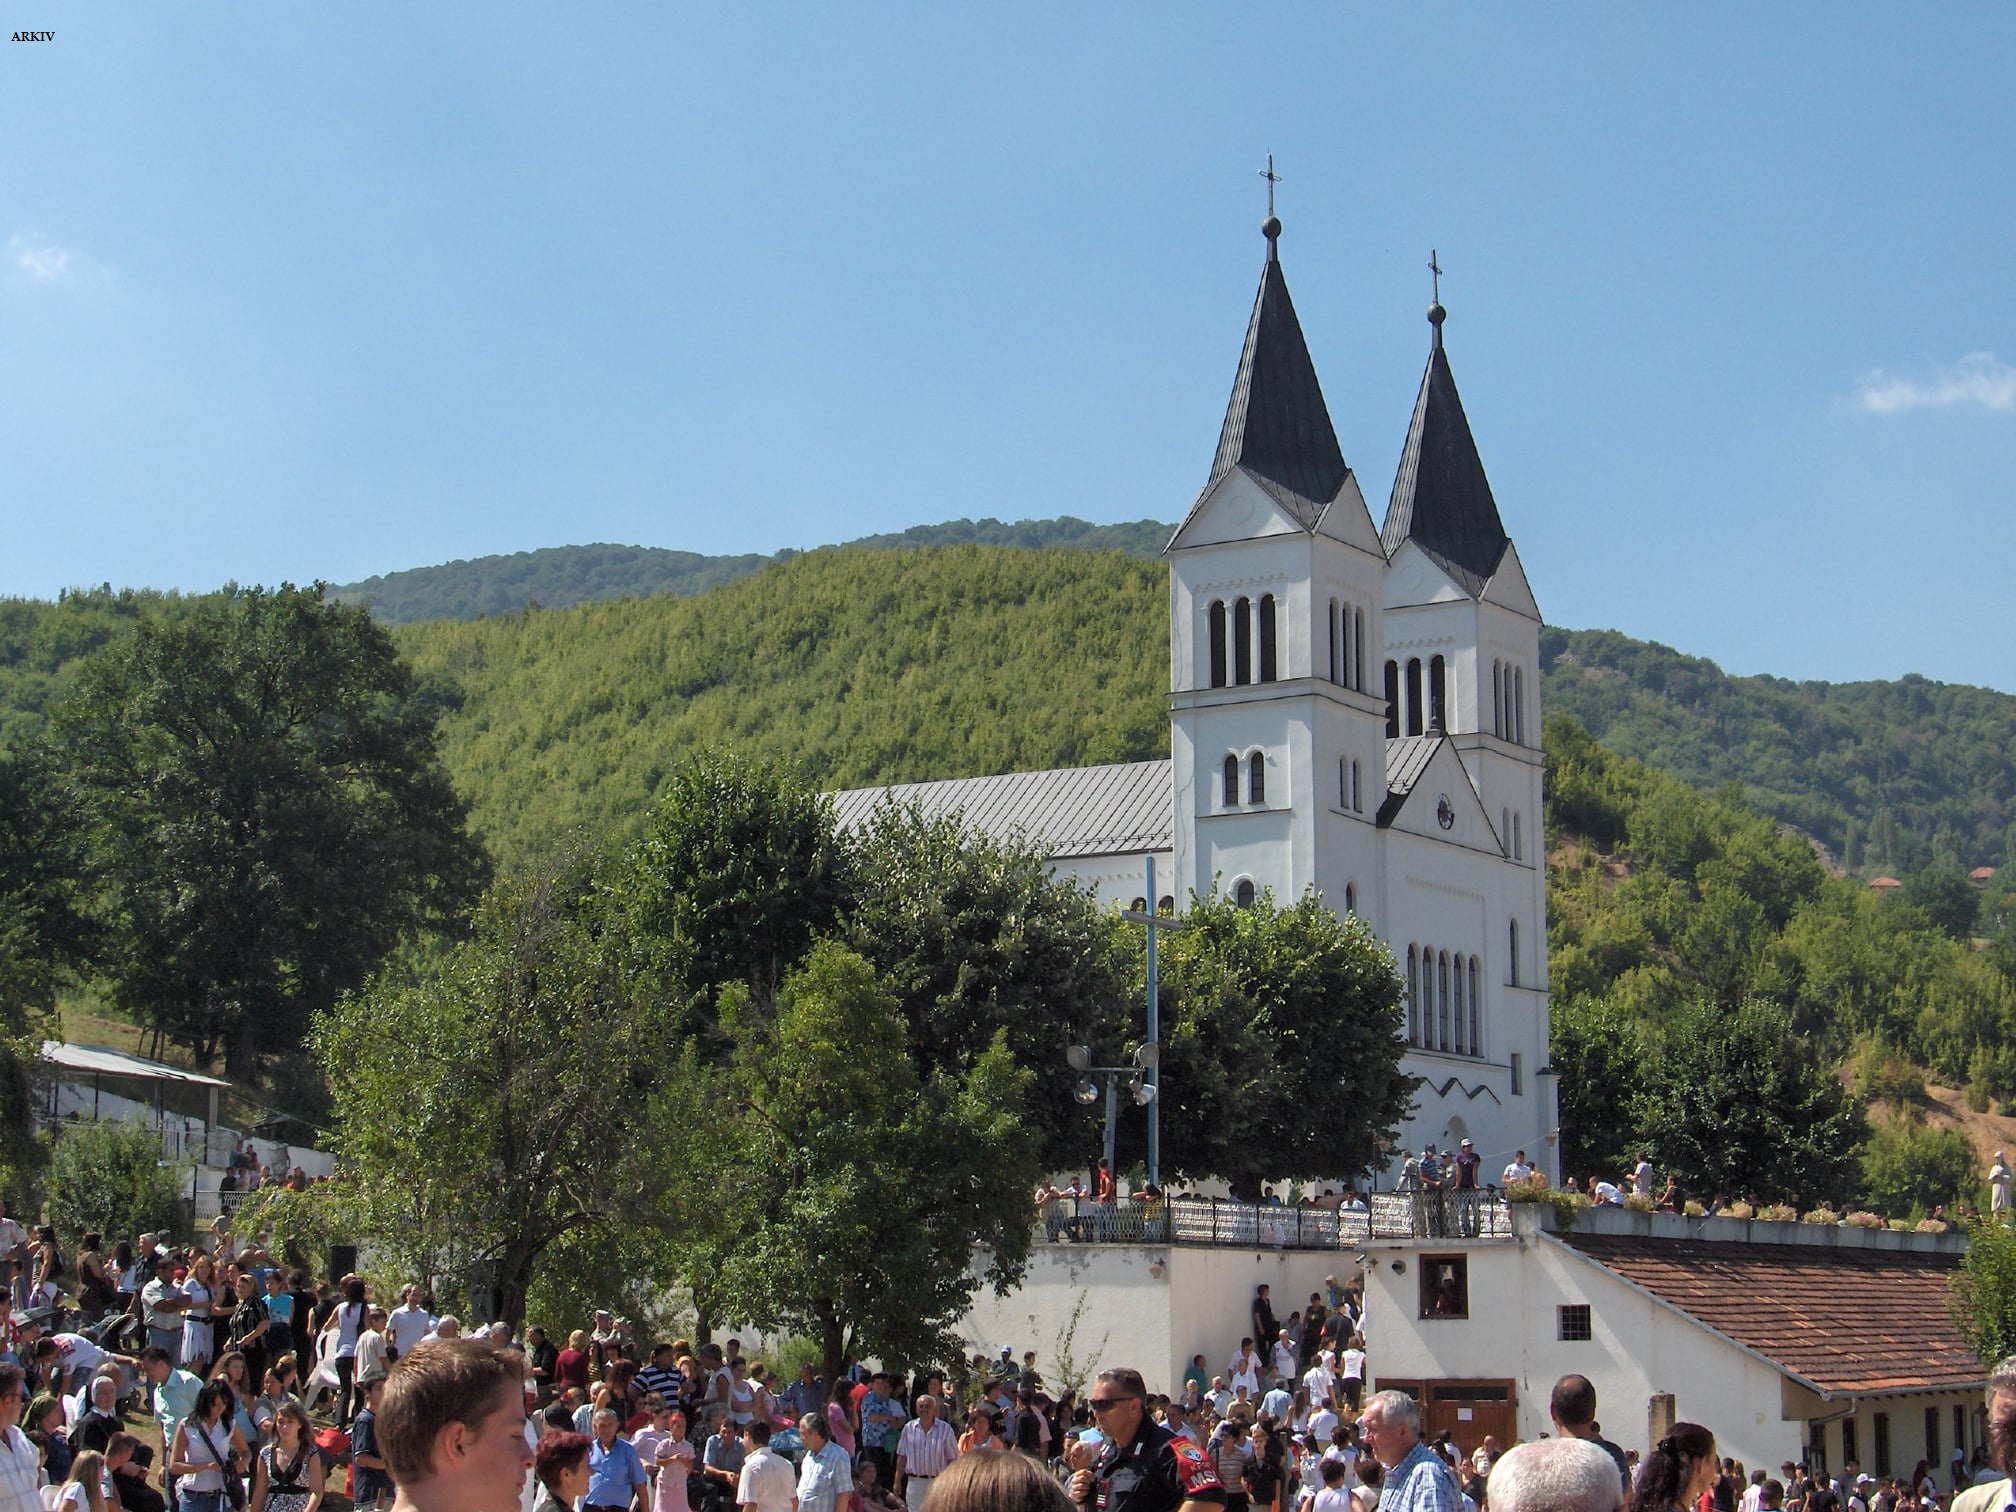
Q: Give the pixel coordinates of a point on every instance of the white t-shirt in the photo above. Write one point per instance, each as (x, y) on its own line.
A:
(1517, 1171)
(1321, 1384)
(406, 1327)
(1284, 1360)
(1244, 1372)
(1323, 1424)
(1331, 1499)
(1641, 1178)
(1354, 1364)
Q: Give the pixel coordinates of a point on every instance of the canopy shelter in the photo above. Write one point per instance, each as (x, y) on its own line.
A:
(76, 1062)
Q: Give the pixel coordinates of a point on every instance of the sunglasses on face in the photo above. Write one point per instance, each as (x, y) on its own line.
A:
(1106, 1404)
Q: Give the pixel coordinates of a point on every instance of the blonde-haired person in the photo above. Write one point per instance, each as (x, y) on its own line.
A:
(992, 1480)
(85, 1489)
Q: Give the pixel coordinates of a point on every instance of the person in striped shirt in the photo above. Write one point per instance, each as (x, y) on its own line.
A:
(923, 1450)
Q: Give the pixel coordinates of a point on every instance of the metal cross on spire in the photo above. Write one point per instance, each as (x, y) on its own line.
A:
(1272, 178)
(1435, 268)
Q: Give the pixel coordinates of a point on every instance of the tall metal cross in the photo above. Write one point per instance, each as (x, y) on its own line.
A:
(1154, 921)
(1272, 178)
(1436, 269)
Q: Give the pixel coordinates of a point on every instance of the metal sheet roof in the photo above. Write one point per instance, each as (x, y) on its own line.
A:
(96, 1060)
(1123, 809)
(1407, 757)
(1441, 498)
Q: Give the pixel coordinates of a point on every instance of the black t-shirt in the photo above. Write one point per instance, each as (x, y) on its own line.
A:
(1158, 1472)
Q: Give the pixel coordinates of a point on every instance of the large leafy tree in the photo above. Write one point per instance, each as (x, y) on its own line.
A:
(267, 814)
(1983, 1296)
(738, 868)
(855, 1188)
(1282, 1044)
(976, 939)
(1731, 1101)
(1597, 1049)
(495, 1101)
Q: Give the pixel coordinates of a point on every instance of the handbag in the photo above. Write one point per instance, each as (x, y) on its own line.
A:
(234, 1489)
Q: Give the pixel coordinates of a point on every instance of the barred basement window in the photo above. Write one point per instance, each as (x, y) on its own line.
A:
(1574, 1323)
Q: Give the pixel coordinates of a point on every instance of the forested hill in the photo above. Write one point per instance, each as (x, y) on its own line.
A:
(558, 576)
(852, 666)
(870, 664)
(1890, 776)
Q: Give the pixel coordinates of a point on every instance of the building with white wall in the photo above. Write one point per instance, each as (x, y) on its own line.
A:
(1791, 1341)
(1354, 711)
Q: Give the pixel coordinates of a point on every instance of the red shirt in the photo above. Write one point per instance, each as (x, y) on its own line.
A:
(570, 1369)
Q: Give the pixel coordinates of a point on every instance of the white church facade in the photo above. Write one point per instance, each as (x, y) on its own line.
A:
(1354, 710)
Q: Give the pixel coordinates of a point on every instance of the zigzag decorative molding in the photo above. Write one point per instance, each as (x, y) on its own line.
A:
(1471, 1093)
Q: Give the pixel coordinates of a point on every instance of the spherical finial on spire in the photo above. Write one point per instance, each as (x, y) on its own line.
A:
(1271, 228)
(1436, 314)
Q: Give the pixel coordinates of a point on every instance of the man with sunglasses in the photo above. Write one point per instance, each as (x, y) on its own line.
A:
(1141, 1466)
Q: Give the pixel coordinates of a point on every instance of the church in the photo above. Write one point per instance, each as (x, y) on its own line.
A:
(1353, 709)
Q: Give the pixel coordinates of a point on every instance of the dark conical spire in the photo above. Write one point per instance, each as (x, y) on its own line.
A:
(1441, 498)
(1277, 426)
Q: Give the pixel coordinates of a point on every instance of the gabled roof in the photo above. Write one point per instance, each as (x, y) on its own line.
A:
(1277, 426)
(1124, 809)
(1407, 758)
(1844, 1321)
(1441, 498)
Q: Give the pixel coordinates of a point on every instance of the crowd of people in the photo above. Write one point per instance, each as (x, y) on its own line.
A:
(271, 1393)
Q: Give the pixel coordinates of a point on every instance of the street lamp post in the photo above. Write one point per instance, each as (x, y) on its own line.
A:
(1136, 1078)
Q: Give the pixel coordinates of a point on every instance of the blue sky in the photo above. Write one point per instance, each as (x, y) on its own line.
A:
(325, 290)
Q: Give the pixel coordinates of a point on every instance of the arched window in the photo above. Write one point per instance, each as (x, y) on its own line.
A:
(1244, 894)
(1357, 791)
(1413, 996)
(1392, 699)
(1438, 687)
(1217, 643)
(1343, 783)
(1256, 778)
(1505, 829)
(1139, 905)
(1498, 699)
(1518, 846)
(1515, 952)
(1519, 705)
(1476, 1016)
(1167, 905)
(1336, 660)
(1231, 782)
(1442, 1004)
(1350, 898)
(1456, 1005)
(1267, 661)
(1358, 649)
(1242, 642)
(1414, 695)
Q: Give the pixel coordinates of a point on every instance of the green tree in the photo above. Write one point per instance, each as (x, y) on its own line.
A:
(492, 1101)
(976, 939)
(738, 868)
(1908, 1166)
(1598, 1050)
(1731, 1101)
(267, 813)
(1983, 1295)
(110, 1177)
(1948, 899)
(1282, 1041)
(859, 1189)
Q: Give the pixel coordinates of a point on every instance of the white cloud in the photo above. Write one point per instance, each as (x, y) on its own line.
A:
(41, 260)
(1978, 378)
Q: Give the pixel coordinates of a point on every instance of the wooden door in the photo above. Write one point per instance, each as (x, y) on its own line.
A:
(1469, 1410)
